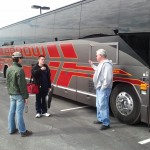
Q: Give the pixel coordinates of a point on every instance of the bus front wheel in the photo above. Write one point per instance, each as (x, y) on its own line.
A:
(125, 104)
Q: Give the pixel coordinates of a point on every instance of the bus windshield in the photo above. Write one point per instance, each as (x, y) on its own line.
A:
(140, 43)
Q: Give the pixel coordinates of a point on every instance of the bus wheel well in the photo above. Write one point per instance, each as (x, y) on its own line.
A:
(125, 103)
(116, 83)
(5, 69)
(123, 83)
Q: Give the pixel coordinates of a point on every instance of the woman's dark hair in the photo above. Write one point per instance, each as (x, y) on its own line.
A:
(41, 56)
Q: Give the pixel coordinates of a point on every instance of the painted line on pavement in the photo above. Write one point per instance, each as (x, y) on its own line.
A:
(74, 108)
(144, 141)
(31, 95)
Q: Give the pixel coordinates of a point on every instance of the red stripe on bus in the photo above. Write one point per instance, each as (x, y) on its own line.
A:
(53, 51)
(53, 74)
(1, 52)
(72, 65)
(27, 70)
(6, 52)
(38, 51)
(54, 64)
(65, 77)
(27, 51)
(68, 50)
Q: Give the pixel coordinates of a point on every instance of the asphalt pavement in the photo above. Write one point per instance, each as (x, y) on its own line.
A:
(70, 127)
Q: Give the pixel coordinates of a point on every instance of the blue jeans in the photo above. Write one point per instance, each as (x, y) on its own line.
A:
(16, 108)
(102, 104)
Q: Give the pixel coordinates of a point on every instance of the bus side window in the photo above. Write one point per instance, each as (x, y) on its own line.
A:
(111, 49)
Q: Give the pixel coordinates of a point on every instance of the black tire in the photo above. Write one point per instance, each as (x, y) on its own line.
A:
(125, 104)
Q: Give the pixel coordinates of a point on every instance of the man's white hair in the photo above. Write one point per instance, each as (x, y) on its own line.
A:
(101, 52)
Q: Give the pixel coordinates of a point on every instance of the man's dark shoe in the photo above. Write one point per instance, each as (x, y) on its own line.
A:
(27, 133)
(15, 131)
(97, 122)
(103, 127)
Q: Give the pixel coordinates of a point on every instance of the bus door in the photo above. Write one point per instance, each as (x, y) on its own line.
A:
(149, 90)
(84, 71)
(85, 86)
(145, 96)
(112, 54)
(145, 90)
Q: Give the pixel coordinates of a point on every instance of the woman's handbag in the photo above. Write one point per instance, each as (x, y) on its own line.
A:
(32, 87)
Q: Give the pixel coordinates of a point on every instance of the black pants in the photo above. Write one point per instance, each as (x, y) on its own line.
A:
(40, 103)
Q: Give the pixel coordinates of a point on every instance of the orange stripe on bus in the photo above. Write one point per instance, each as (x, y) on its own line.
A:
(129, 80)
(121, 72)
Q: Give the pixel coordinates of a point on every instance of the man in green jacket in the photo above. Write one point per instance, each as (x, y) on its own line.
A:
(17, 89)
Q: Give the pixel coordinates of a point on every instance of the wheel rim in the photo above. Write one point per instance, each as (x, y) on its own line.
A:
(124, 103)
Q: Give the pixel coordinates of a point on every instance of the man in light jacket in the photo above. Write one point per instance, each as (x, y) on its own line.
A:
(103, 79)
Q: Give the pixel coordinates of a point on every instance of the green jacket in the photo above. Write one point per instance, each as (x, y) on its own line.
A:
(16, 82)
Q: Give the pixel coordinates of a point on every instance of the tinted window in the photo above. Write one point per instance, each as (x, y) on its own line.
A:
(134, 16)
(44, 28)
(140, 44)
(111, 50)
(99, 17)
(28, 30)
(5, 35)
(16, 35)
(67, 23)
